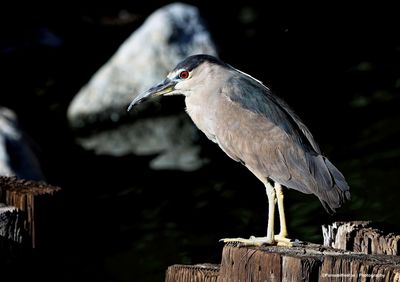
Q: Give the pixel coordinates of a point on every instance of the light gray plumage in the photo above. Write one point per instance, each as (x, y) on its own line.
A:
(254, 127)
(282, 148)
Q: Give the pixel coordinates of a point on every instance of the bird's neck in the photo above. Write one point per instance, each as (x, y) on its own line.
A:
(202, 111)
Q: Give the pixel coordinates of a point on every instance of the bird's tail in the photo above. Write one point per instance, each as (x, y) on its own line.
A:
(332, 188)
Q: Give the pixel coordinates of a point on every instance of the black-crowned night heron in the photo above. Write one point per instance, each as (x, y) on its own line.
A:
(258, 129)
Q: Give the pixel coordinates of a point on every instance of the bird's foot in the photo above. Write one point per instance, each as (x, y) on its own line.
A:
(282, 240)
(278, 240)
(252, 241)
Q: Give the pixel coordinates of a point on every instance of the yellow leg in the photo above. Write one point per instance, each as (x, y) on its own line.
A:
(282, 236)
(275, 196)
(258, 241)
(271, 211)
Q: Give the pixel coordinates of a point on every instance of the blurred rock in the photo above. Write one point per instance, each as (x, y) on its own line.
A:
(168, 36)
(16, 156)
(147, 136)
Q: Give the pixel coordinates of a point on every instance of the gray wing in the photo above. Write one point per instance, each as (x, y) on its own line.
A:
(260, 130)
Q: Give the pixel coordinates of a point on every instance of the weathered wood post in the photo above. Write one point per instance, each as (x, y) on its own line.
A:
(11, 225)
(361, 236)
(21, 196)
(205, 272)
(304, 261)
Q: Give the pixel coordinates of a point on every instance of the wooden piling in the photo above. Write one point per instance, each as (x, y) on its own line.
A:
(361, 236)
(302, 262)
(196, 273)
(22, 195)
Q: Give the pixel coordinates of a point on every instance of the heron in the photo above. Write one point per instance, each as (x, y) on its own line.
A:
(255, 127)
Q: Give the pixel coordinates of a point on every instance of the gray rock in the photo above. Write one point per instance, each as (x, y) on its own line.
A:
(168, 36)
(16, 155)
(147, 136)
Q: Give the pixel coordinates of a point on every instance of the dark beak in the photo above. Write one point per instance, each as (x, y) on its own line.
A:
(160, 89)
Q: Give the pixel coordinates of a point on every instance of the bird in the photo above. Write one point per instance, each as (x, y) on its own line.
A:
(255, 127)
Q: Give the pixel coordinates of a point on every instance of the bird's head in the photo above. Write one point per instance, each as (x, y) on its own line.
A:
(182, 80)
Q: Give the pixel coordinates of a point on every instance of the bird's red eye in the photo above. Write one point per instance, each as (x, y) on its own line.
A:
(184, 74)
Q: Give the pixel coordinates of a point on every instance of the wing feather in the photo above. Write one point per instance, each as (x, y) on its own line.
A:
(266, 135)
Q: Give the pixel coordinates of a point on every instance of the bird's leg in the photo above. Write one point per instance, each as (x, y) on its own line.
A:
(258, 241)
(271, 194)
(282, 236)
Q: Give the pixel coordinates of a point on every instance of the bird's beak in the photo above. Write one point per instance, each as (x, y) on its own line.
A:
(160, 89)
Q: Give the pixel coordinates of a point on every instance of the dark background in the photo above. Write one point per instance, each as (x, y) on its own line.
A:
(117, 220)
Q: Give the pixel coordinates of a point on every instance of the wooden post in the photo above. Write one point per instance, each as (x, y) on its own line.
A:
(305, 261)
(21, 194)
(310, 262)
(361, 236)
(14, 240)
(11, 224)
(197, 273)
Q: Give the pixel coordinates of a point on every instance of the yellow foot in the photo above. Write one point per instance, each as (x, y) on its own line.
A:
(259, 241)
(283, 241)
(252, 241)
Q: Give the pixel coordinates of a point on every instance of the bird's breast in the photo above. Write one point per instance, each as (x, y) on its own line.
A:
(203, 115)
